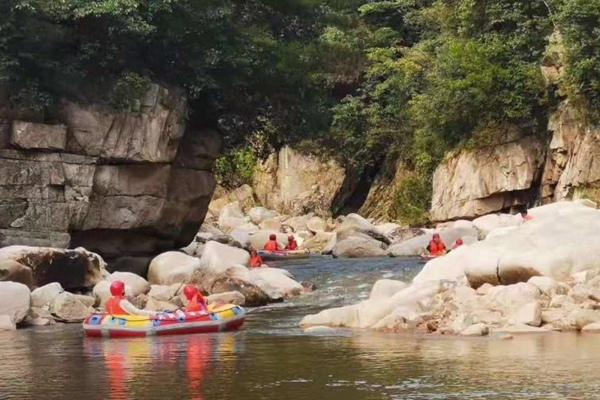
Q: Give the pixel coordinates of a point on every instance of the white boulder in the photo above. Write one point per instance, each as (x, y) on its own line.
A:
(528, 314)
(172, 267)
(218, 257)
(15, 300)
(386, 288)
(358, 246)
(46, 294)
(563, 240)
(367, 314)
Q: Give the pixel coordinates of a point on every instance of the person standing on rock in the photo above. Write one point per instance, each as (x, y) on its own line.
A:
(119, 305)
(436, 246)
(272, 244)
(292, 244)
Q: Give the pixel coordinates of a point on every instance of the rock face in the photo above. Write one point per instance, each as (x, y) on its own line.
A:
(294, 184)
(473, 183)
(126, 185)
(380, 199)
(572, 167)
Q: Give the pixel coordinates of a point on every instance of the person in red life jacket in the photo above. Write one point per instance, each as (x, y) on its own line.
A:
(436, 246)
(525, 215)
(272, 244)
(459, 242)
(119, 305)
(256, 261)
(292, 244)
(196, 301)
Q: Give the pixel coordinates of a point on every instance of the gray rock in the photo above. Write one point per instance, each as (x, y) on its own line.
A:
(29, 135)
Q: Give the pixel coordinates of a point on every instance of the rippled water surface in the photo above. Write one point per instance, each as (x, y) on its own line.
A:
(273, 359)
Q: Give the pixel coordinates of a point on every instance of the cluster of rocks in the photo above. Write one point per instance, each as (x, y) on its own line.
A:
(235, 218)
(41, 286)
(540, 276)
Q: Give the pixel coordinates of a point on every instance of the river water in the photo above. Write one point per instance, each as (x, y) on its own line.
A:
(273, 359)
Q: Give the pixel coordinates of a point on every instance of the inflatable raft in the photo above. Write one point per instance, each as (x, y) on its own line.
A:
(228, 317)
(267, 255)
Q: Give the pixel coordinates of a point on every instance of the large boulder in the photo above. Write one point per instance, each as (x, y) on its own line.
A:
(386, 288)
(46, 294)
(73, 269)
(172, 267)
(68, 307)
(370, 313)
(218, 257)
(11, 270)
(358, 246)
(561, 240)
(253, 295)
(231, 217)
(259, 214)
(15, 300)
(476, 182)
(276, 283)
(487, 223)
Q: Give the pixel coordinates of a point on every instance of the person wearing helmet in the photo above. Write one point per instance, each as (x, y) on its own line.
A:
(256, 260)
(292, 244)
(459, 242)
(436, 246)
(272, 244)
(119, 305)
(196, 301)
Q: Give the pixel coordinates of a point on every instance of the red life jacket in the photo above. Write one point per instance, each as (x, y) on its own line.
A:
(437, 249)
(272, 245)
(113, 306)
(292, 245)
(196, 304)
(256, 261)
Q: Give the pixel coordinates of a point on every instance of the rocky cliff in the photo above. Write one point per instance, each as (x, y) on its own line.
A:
(471, 183)
(293, 183)
(127, 185)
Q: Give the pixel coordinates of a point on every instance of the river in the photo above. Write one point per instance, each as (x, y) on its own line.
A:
(273, 359)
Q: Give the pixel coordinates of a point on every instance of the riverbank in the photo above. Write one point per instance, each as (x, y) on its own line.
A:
(273, 358)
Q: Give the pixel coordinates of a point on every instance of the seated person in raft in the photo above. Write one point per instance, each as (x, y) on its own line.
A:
(256, 261)
(196, 301)
(272, 244)
(292, 244)
(436, 246)
(119, 305)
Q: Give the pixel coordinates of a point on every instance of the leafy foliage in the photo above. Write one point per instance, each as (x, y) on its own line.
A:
(363, 80)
